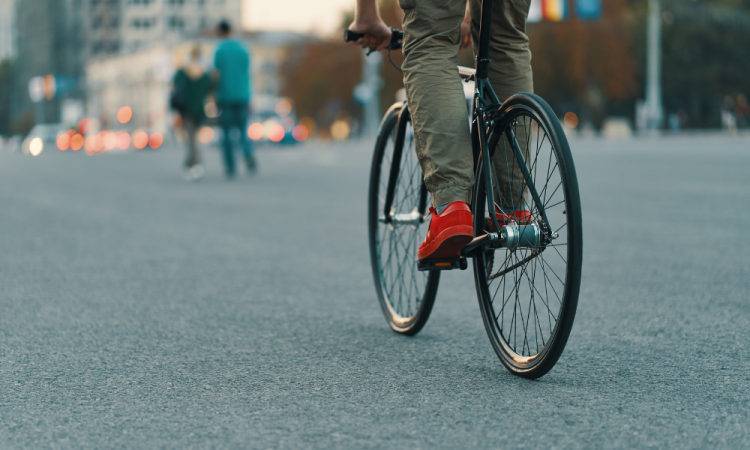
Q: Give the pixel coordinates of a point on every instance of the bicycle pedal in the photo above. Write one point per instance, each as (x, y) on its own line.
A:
(442, 264)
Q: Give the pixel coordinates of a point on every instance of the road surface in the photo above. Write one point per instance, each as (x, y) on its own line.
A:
(141, 311)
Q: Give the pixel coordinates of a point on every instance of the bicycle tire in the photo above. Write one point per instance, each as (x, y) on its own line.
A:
(398, 282)
(567, 253)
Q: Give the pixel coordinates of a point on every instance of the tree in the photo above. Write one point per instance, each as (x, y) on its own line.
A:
(705, 57)
(320, 78)
(586, 67)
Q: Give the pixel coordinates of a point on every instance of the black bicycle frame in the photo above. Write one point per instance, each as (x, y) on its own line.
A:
(398, 151)
(485, 100)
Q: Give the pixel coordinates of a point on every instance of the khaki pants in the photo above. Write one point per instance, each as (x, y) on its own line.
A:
(432, 34)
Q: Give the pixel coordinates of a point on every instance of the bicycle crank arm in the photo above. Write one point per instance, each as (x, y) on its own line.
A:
(479, 242)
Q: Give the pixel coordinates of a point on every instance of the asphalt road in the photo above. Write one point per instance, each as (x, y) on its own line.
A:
(141, 311)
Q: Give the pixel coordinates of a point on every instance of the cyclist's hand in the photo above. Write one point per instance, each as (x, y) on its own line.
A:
(377, 34)
(466, 31)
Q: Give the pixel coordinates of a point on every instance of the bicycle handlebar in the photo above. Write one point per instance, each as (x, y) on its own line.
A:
(350, 36)
(396, 37)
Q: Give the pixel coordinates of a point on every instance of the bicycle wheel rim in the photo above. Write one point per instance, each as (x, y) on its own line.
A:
(532, 355)
(406, 295)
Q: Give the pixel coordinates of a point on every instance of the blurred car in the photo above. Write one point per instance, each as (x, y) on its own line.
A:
(273, 120)
(12, 144)
(48, 132)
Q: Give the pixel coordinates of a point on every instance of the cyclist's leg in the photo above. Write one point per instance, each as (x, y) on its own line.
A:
(510, 73)
(436, 98)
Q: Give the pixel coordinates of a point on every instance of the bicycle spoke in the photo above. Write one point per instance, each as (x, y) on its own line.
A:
(527, 279)
(403, 286)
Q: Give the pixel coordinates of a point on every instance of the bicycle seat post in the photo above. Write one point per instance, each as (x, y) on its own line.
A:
(485, 28)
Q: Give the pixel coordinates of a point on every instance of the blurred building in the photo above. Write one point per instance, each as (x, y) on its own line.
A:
(7, 29)
(59, 37)
(43, 46)
(127, 25)
(142, 79)
(270, 50)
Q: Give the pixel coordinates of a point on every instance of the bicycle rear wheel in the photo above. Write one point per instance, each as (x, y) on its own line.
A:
(406, 294)
(528, 295)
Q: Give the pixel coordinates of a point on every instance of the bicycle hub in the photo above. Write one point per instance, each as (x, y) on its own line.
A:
(523, 236)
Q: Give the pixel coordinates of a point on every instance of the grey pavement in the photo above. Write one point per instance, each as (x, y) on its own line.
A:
(141, 311)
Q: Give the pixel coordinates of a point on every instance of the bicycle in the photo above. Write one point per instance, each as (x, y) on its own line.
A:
(511, 270)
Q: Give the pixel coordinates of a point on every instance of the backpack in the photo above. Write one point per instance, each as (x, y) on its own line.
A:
(178, 99)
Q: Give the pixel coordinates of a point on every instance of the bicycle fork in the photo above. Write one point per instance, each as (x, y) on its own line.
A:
(510, 236)
(390, 216)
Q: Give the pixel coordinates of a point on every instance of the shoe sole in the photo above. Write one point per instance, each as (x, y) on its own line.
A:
(449, 246)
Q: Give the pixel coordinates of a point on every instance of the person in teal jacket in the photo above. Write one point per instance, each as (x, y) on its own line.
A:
(232, 63)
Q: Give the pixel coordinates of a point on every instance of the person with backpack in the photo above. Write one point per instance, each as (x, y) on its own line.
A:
(192, 84)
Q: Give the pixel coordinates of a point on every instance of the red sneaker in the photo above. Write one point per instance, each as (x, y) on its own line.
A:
(521, 217)
(449, 232)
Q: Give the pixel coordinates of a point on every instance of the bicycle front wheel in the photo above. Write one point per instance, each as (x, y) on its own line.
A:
(406, 295)
(528, 294)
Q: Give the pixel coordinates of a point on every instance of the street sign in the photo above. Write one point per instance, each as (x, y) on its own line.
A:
(50, 86)
(555, 10)
(588, 9)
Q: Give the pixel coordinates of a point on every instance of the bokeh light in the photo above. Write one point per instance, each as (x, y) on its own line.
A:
(155, 140)
(211, 110)
(287, 123)
(93, 144)
(570, 119)
(76, 142)
(178, 123)
(283, 108)
(123, 140)
(124, 114)
(310, 124)
(36, 146)
(255, 131)
(140, 140)
(206, 135)
(276, 133)
(63, 141)
(340, 130)
(50, 88)
(110, 141)
(83, 126)
(300, 133)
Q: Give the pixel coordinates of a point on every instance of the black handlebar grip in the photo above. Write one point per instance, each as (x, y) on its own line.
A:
(350, 36)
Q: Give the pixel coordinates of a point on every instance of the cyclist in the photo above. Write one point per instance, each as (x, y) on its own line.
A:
(433, 32)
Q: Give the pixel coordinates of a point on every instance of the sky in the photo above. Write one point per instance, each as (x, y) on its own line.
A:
(318, 16)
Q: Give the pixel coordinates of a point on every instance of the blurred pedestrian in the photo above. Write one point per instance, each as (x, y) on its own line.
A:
(191, 87)
(728, 120)
(232, 62)
(742, 111)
